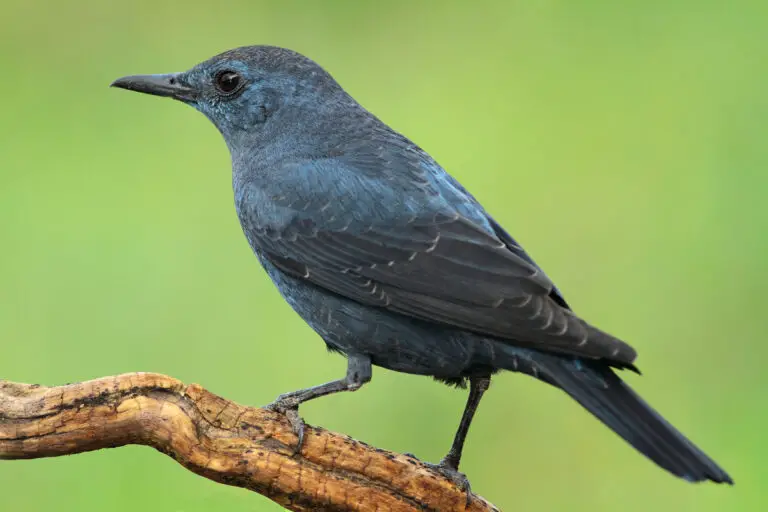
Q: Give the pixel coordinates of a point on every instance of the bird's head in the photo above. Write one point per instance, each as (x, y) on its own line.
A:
(245, 90)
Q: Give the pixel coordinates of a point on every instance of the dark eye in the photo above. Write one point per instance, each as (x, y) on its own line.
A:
(228, 82)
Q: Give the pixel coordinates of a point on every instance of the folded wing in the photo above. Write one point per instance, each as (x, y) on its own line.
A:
(447, 269)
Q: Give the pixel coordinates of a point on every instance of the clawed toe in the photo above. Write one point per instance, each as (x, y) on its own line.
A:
(291, 411)
(454, 475)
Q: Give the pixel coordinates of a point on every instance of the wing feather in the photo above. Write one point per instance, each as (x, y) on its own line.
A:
(444, 269)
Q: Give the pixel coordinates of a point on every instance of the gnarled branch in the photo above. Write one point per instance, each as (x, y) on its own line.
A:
(220, 440)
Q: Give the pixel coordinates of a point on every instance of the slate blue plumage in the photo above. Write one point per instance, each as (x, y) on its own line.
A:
(391, 261)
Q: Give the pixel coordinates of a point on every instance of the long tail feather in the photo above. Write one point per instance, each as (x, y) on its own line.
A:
(599, 390)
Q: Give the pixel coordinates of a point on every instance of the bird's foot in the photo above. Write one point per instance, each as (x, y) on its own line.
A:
(289, 407)
(449, 470)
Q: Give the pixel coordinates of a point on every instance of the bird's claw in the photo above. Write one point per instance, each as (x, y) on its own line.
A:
(447, 470)
(290, 410)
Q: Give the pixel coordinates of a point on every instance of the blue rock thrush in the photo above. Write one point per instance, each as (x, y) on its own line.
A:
(391, 261)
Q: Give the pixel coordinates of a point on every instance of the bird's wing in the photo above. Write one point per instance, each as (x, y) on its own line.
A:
(443, 260)
(446, 271)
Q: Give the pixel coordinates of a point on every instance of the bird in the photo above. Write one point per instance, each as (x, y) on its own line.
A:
(392, 262)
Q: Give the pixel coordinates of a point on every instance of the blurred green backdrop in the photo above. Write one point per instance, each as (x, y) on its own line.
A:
(622, 142)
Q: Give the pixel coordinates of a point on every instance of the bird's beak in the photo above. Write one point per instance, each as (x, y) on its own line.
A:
(170, 85)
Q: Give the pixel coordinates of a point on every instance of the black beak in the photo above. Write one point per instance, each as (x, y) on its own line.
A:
(169, 85)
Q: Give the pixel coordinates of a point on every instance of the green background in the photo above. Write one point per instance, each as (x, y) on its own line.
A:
(623, 143)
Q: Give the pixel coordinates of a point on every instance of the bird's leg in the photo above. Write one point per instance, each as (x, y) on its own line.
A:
(358, 373)
(477, 386)
(449, 466)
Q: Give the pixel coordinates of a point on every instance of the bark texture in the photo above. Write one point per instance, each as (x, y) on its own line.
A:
(220, 440)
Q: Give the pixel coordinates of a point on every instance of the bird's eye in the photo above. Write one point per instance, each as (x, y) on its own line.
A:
(228, 82)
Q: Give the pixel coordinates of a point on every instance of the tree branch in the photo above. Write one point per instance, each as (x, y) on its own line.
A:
(220, 440)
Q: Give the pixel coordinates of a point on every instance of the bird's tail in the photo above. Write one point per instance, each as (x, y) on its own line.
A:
(600, 391)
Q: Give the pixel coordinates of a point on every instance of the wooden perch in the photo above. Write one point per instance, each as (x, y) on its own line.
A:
(220, 440)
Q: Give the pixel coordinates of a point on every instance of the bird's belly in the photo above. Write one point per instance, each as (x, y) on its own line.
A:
(392, 341)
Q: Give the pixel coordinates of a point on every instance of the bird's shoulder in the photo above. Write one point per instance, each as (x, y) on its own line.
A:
(372, 177)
